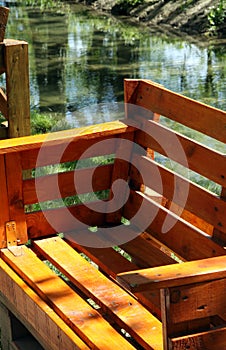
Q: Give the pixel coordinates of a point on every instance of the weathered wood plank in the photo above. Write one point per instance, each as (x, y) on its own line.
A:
(4, 14)
(17, 87)
(175, 275)
(79, 315)
(121, 307)
(46, 326)
(194, 114)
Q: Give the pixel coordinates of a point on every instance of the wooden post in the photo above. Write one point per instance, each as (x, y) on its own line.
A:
(4, 13)
(17, 88)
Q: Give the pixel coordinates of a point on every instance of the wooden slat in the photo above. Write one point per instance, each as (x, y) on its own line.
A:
(15, 195)
(82, 318)
(99, 177)
(197, 301)
(122, 308)
(211, 340)
(4, 217)
(175, 275)
(47, 222)
(199, 201)
(184, 110)
(191, 153)
(60, 138)
(145, 252)
(37, 316)
(112, 263)
(178, 235)
(107, 259)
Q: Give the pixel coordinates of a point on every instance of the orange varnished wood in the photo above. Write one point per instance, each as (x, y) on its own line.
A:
(4, 217)
(211, 340)
(112, 263)
(175, 275)
(117, 303)
(199, 201)
(39, 223)
(50, 330)
(146, 253)
(99, 177)
(191, 113)
(120, 171)
(197, 301)
(79, 315)
(190, 151)
(181, 238)
(59, 138)
(15, 195)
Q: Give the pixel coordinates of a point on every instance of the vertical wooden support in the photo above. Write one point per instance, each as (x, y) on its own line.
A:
(17, 87)
(218, 235)
(4, 216)
(15, 195)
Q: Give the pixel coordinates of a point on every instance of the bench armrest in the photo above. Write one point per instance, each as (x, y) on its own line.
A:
(174, 275)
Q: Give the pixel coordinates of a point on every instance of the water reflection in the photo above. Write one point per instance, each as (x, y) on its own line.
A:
(79, 59)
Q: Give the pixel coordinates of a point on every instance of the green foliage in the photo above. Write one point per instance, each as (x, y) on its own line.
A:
(217, 15)
(43, 4)
(42, 123)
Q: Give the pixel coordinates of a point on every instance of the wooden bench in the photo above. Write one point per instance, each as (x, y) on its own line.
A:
(106, 242)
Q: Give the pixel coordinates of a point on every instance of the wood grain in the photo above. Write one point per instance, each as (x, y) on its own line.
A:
(175, 275)
(86, 322)
(196, 115)
(120, 306)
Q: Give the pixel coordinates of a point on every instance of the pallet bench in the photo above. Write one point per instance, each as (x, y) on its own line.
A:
(103, 244)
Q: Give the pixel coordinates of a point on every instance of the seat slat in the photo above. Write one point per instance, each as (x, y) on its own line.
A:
(48, 328)
(113, 263)
(123, 308)
(81, 317)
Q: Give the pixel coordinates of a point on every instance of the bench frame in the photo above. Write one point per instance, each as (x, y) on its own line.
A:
(154, 302)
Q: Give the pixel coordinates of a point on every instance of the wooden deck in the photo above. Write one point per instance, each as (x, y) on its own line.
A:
(103, 245)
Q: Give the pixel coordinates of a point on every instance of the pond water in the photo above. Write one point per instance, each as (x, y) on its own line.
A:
(79, 58)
